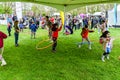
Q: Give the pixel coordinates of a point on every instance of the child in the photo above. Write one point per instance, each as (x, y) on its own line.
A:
(55, 30)
(16, 28)
(84, 35)
(2, 36)
(33, 28)
(49, 25)
(107, 44)
(9, 28)
(68, 30)
(21, 27)
(103, 26)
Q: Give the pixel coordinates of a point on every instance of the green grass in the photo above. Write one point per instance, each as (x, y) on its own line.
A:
(68, 63)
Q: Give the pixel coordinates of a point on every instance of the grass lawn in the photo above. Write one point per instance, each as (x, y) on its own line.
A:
(68, 63)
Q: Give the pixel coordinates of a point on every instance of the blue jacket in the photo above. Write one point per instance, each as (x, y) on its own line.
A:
(20, 25)
(33, 27)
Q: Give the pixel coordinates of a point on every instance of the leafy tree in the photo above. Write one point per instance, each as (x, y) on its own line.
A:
(93, 8)
(6, 8)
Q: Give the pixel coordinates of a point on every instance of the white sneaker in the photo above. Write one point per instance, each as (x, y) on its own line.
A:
(108, 57)
(103, 58)
(3, 64)
(79, 46)
(90, 47)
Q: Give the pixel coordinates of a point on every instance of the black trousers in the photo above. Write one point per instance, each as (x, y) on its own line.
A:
(105, 53)
(54, 43)
(9, 32)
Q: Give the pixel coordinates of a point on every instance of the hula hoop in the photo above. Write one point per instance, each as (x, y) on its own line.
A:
(44, 46)
(84, 43)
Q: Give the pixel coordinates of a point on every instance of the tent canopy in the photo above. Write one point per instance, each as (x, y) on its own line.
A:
(65, 4)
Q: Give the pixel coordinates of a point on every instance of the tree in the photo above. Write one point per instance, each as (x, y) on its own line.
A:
(93, 8)
(6, 8)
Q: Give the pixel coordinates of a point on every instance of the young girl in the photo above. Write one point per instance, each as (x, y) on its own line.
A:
(103, 26)
(107, 44)
(2, 36)
(55, 30)
(84, 35)
(16, 28)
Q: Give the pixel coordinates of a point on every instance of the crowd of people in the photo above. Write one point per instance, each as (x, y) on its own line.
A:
(54, 25)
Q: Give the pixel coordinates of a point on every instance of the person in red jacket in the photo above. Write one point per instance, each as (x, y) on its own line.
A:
(84, 34)
(55, 31)
(2, 36)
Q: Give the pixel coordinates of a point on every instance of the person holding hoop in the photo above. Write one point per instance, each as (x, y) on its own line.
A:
(84, 35)
(55, 30)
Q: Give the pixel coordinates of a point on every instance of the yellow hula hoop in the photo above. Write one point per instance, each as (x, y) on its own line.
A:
(44, 46)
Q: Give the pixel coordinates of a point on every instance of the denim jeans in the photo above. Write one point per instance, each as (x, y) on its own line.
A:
(16, 38)
(9, 32)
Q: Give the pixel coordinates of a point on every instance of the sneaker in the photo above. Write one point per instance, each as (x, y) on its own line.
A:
(3, 64)
(90, 47)
(103, 58)
(108, 57)
(16, 45)
(79, 46)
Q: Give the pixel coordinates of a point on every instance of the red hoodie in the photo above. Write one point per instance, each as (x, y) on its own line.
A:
(2, 36)
(55, 33)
